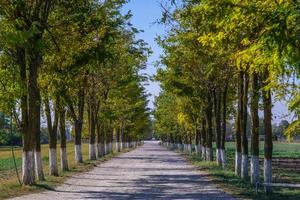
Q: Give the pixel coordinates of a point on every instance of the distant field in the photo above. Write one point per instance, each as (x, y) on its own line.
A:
(7, 165)
(286, 169)
(9, 186)
(280, 149)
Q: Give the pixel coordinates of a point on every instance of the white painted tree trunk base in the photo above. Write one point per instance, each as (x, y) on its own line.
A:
(223, 158)
(199, 149)
(92, 152)
(254, 170)
(110, 148)
(53, 169)
(245, 163)
(268, 174)
(28, 175)
(117, 147)
(238, 163)
(185, 148)
(39, 166)
(121, 146)
(219, 157)
(78, 154)
(209, 154)
(64, 159)
(196, 149)
(189, 146)
(204, 152)
(106, 149)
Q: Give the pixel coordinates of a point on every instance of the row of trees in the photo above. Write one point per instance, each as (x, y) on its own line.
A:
(224, 60)
(71, 62)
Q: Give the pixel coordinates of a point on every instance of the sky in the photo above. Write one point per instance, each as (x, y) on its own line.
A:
(145, 14)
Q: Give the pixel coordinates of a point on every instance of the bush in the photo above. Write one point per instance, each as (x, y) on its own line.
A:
(10, 139)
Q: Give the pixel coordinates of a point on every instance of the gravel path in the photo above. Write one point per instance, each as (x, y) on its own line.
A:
(148, 172)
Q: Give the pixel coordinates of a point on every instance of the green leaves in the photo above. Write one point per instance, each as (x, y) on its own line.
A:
(86, 52)
(209, 42)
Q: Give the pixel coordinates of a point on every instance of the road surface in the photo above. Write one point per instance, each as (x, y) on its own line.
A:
(148, 172)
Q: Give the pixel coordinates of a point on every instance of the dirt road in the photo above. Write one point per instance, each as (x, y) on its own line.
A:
(148, 172)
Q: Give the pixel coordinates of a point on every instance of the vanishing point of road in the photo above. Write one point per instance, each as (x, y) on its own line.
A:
(148, 172)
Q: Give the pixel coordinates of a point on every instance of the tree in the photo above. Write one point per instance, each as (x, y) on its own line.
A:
(210, 43)
(70, 55)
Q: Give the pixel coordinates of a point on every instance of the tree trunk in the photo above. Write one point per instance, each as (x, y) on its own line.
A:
(117, 134)
(38, 158)
(238, 154)
(209, 150)
(267, 102)
(107, 141)
(224, 116)
(52, 129)
(121, 137)
(116, 138)
(203, 140)
(78, 152)
(111, 142)
(78, 122)
(92, 131)
(102, 139)
(198, 146)
(63, 140)
(190, 144)
(100, 142)
(245, 161)
(255, 130)
(28, 176)
(34, 114)
(217, 112)
(125, 139)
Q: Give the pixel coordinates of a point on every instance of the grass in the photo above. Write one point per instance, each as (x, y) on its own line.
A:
(9, 186)
(280, 149)
(227, 180)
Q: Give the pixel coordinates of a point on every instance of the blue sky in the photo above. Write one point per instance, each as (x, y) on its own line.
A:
(145, 14)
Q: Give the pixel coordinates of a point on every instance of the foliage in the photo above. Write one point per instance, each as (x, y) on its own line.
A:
(209, 42)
